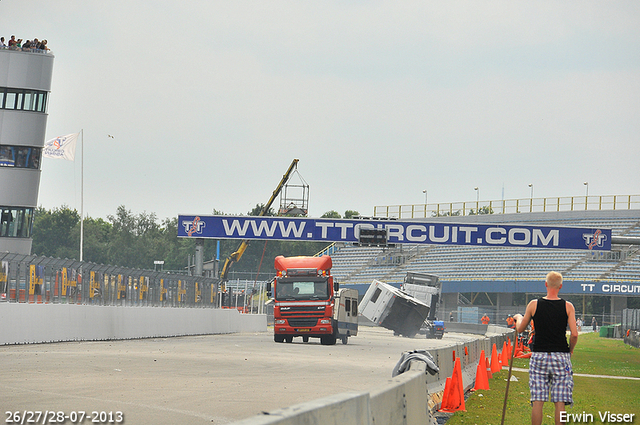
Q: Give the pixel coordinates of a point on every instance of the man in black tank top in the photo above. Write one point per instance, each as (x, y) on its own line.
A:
(550, 372)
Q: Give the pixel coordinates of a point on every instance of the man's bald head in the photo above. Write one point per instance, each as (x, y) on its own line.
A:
(554, 280)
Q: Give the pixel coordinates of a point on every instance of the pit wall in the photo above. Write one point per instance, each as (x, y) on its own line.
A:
(409, 398)
(38, 323)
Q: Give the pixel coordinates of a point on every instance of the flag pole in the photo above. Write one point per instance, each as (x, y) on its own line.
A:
(81, 193)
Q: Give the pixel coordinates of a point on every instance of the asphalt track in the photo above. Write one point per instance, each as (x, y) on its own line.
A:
(212, 379)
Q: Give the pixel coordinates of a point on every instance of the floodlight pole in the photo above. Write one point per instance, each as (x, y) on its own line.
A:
(81, 194)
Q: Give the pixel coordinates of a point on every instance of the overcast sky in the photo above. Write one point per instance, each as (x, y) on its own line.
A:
(210, 101)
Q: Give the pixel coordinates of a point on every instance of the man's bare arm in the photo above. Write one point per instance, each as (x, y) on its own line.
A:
(573, 338)
(523, 322)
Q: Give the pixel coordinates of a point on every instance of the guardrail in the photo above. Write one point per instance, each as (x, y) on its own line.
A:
(509, 206)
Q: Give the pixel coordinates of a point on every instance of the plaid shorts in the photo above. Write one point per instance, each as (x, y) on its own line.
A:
(551, 374)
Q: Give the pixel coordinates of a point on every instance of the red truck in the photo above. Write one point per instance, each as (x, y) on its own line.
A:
(307, 302)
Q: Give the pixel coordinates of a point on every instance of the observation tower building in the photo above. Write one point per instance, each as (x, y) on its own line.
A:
(25, 83)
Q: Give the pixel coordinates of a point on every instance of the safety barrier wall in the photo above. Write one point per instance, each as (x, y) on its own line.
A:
(409, 398)
(469, 354)
(33, 323)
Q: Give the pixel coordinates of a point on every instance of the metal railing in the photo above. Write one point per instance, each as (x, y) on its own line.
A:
(32, 279)
(631, 319)
(510, 206)
(26, 49)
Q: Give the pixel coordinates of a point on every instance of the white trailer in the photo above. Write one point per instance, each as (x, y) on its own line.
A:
(345, 314)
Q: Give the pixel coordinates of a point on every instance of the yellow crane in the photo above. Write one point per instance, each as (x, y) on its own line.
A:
(235, 257)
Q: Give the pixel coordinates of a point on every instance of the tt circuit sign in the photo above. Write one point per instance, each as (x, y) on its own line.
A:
(609, 288)
(397, 232)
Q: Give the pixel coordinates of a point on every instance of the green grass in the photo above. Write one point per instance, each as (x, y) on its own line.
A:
(593, 355)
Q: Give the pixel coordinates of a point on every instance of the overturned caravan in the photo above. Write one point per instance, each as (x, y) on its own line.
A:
(394, 309)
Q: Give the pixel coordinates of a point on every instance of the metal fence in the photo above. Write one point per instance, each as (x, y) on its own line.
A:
(631, 319)
(32, 279)
(507, 206)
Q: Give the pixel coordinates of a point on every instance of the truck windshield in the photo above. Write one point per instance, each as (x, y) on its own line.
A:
(296, 289)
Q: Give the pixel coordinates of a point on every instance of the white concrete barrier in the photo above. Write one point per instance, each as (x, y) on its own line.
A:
(350, 408)
(37, 323)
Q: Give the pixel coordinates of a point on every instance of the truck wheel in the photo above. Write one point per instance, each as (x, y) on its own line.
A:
(278, 338)
(328, 340)
(345, 339)
(289, 339)
(305, 339)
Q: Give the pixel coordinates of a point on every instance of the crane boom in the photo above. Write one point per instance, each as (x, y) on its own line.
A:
(235, 257)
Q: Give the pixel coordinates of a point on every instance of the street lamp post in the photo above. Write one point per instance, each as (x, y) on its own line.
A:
(425, 202)
(531, 203)
(586, 196)
(477, 200)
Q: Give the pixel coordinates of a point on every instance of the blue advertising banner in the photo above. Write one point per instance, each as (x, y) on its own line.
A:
(521, 286)
(398, 232)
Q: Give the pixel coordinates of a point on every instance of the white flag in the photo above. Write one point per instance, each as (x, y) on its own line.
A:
(63, 147)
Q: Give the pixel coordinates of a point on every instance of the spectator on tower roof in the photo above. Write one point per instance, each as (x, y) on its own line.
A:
(34, 45)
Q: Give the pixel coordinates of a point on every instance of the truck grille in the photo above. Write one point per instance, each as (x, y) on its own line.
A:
(302, 311)
(301, 322)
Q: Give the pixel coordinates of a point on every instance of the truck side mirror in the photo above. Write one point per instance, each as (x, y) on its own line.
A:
(336, 286)
(269, 289)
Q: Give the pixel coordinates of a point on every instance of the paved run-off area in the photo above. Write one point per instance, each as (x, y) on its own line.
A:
(197, 380)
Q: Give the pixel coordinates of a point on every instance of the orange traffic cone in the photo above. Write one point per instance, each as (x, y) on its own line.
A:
(518, 351)
(453, 398)
(445, 395)
(457, 370)
(519, 348)
(482, 381)
(495, 364)
(488, 367)
(504, 355)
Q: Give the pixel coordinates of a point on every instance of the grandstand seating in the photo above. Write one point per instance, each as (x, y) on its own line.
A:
(360, 265)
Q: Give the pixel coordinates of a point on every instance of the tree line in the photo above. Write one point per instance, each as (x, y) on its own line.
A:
(137, 240)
